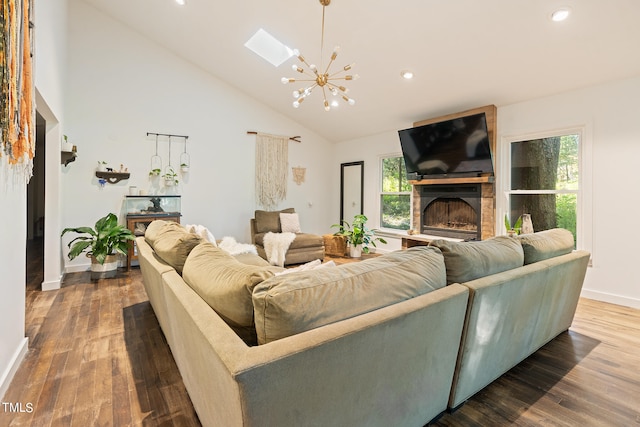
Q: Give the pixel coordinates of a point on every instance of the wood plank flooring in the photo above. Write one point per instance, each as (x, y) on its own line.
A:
(97, 357)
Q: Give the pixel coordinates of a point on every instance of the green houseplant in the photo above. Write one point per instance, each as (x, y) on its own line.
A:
(101, 244)
(357, 235)
(515, 228)
(170, 177)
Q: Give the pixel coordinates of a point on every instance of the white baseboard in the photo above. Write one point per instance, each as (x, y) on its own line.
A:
(610, 298)
(13, 366)
(52, 285)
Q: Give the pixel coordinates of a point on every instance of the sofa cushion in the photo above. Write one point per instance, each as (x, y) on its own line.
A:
(171, 242)
(546, 244)
(467, 261)
(155, 228)
(288, 304)
(269, 220)
(226, 285)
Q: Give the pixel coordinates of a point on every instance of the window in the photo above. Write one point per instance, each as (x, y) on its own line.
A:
(545, 181)
(395, 195)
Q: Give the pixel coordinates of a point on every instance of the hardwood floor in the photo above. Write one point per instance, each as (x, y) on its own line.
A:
(97, 357)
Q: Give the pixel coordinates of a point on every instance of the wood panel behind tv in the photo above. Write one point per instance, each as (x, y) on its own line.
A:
(490, 112)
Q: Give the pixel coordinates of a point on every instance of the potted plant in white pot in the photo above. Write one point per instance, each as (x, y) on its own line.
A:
(101, 244)
(170, 177)
(357, 235)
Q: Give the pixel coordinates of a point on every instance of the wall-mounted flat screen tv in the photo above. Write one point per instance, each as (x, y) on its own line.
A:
(451, 148)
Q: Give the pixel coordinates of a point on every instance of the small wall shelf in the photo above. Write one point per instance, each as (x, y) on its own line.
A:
(67, 157)
(113, 177)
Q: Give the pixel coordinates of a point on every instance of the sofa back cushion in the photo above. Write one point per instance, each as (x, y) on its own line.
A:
(288, 304)
(171, 242)
(226, 285)
(269, 220)
(467, 261)
(546, 244)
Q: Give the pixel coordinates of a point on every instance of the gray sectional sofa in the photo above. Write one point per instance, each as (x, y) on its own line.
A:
(386, 341)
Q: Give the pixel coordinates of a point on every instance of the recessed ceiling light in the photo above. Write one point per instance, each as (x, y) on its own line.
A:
(406, 74)
(560, 14)
(268, 47)
(181, 2)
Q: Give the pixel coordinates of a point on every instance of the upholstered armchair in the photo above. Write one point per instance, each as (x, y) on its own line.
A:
(304, 248)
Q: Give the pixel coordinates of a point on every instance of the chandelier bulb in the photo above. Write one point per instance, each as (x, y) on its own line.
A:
(296, 104)
(296, 94)
(285, 80)
(334, 91)
(326, 106)
(351, 101)
(348, 67)
(313, 67)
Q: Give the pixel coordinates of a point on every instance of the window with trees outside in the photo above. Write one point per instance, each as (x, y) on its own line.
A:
(395, 195)
(545, 182)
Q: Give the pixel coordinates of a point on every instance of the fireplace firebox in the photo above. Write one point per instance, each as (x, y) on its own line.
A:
(451, 211)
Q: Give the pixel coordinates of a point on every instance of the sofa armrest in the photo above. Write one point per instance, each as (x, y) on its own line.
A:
(511, 315)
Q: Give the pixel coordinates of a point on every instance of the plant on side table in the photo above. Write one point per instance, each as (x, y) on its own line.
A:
(357, 235)
(101, 244)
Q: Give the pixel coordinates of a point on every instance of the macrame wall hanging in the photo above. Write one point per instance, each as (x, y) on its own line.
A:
(17, 106)
(272, 158)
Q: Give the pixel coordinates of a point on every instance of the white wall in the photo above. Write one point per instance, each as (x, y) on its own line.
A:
(122, 86)
(609, 115)
(50, 24)
(13, 343)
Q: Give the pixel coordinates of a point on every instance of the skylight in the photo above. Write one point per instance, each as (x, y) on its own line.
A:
(268, 47)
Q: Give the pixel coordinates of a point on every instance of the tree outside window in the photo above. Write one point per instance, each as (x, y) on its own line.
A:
(545, 181)
(395, 195)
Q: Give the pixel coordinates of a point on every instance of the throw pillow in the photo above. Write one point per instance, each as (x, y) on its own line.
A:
(289, 222)
(467, 261)
(269, 220)
(226, 285)
(202, 232)
(546, 244)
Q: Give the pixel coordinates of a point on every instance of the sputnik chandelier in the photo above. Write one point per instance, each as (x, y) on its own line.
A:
(322, 79)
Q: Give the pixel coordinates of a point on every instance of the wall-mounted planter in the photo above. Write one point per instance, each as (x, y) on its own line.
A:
(113, 177)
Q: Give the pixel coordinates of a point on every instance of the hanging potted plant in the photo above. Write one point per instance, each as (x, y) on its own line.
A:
(154, 173)
(357, 235)
(184, 167)
(170, 177)
(101, 244)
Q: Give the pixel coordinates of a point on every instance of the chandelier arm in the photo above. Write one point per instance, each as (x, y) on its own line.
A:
(302, 80)
(337, 88)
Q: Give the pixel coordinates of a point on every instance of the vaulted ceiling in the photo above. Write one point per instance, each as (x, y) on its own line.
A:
(464, 53)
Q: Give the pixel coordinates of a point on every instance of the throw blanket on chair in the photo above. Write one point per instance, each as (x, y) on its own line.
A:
(231, 246)
(276, 246)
